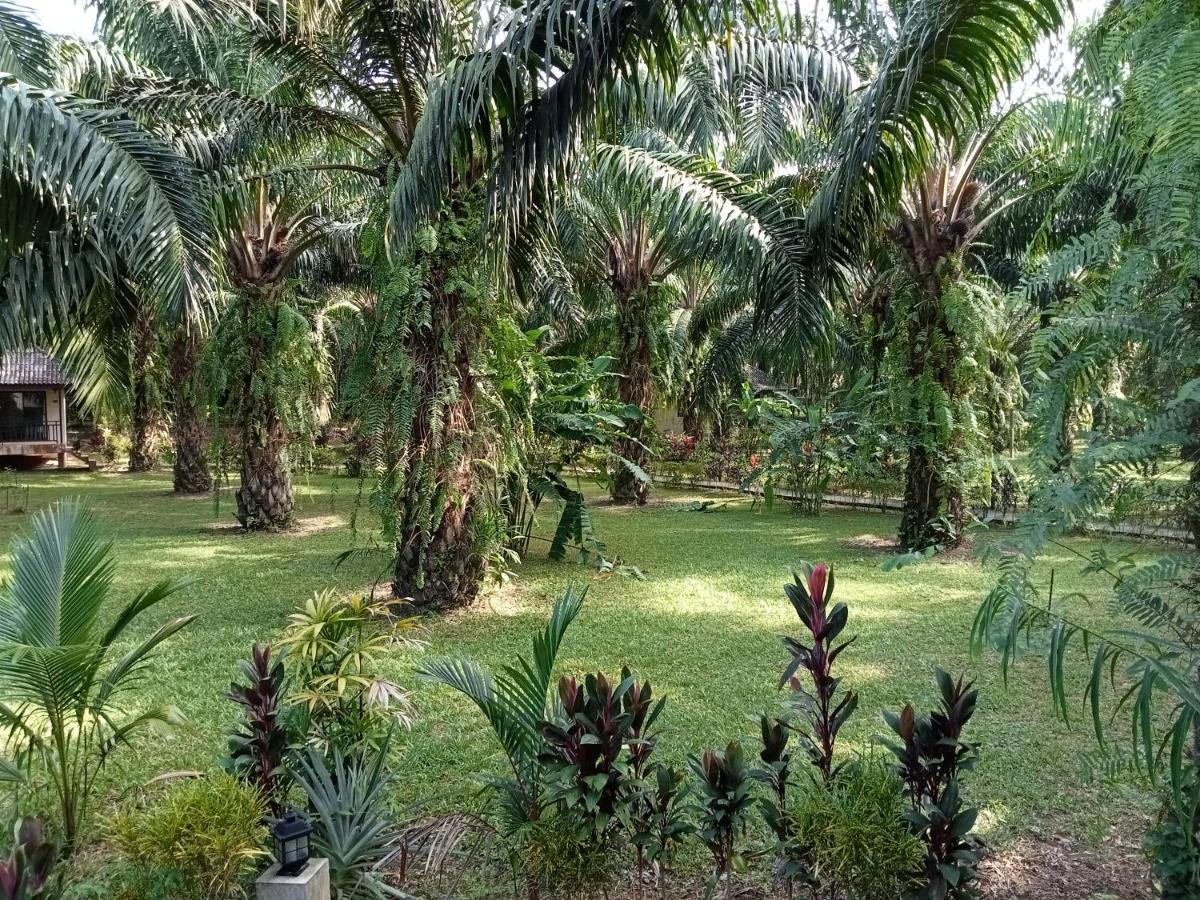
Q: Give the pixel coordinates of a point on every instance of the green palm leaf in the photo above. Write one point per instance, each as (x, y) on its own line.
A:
(515, 704)
(24, 50)
(59, 709)
(121, 198)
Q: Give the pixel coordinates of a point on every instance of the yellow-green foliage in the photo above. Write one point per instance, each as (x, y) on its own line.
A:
(856, 835)
(556, 856)
(209, 830)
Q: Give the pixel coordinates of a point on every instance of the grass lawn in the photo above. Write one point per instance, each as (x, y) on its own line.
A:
(703, 628)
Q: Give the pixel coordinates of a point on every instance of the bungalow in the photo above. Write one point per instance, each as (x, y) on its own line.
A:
(33, 405)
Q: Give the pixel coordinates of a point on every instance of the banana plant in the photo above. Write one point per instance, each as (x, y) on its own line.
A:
(64, 710)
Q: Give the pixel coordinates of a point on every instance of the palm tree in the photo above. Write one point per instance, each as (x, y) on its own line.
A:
(198, 79)
(63, 691)
(122, 220)
(516, 704)
(90, 198)
(937, 77)
(940, 219)
(611, 257)
(473, 134)
(264, 349)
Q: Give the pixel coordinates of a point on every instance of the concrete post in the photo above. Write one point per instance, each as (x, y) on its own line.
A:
(311, 884)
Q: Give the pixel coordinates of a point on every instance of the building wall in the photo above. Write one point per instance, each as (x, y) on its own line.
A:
(52, 396)
(667, 419)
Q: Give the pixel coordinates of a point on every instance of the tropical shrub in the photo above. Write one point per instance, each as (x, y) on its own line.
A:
(565, 415)
(515, 703)
(932, 756)
(724, 784)
(64, 701)
(776, 773)
(807, 447)
(821, 708)
(853, 835)
(678, 447)
(25, 874)
(347, 801)
(258, 745)
(335, 646)
(596, 747)
(208, 830)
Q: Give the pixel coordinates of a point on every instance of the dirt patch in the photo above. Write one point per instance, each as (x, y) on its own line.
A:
(223, 528)
(871, 543)
(314, 525)
(1059, 868)
(305, 527)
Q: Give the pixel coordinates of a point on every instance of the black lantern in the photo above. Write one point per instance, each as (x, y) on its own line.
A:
(291, 843)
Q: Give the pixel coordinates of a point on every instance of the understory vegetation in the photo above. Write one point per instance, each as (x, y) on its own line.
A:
(708, 618)
(443, 311)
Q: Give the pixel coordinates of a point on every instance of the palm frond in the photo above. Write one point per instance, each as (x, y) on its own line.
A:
(24, 50)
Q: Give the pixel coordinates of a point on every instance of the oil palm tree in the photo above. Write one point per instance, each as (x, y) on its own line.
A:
(189, 431)
(636, 218)
(125, 220)
(199, 79)
(476, 134)
(264, 357)
(940, 219)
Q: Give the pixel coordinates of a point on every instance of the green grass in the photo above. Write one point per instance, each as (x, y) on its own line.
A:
(703, 628)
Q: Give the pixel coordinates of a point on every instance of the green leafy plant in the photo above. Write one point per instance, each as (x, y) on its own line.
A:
(724, 784)
(64, 697)
(776, 773)
(25, 874)
(347, 799)
(932, 756)
(596, 747)
(258, 745)
(515, 704)
(335, 647)
(209, 830)
(1173, 842)
(806, 448)
(824, 713)
(660, 821)
(853, 835)
(566, 415)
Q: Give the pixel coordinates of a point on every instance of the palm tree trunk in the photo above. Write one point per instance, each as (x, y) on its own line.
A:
(192, 475)
(934, 506)
(438, 565)
(264, 498)
(635, 361)
(142, 455)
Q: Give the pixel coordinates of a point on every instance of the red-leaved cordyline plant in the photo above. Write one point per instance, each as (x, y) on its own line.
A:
(26, 872)
(257, 747)
(824, 713)
(599, 745)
